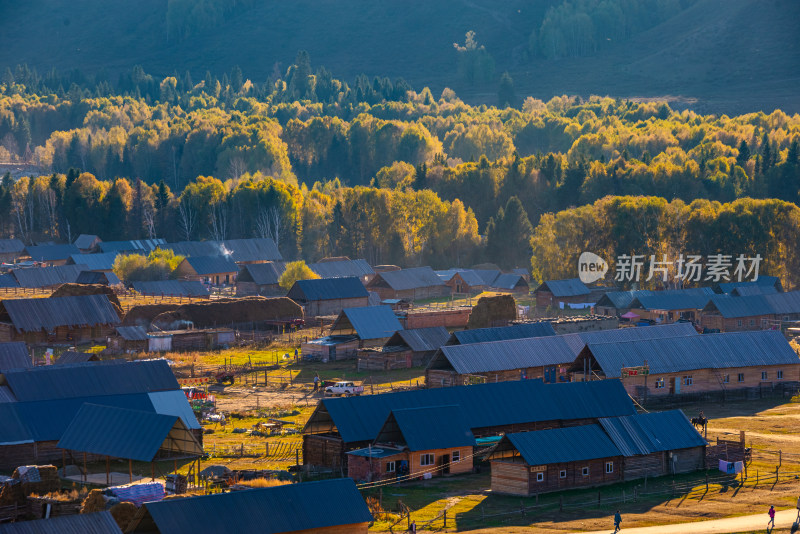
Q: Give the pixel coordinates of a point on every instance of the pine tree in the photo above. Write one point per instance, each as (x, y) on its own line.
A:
(744, 154)
(506, 95)
(420, 176)
(766, 154)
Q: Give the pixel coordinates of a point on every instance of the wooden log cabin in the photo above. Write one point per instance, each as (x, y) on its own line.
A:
(732, 313)
(415, 442)
(405, 349)
(328, 296)
(615, 450)
(373, 325)
(340, 425)
(322, 507)
(75, 319)
(693, 364)
(412, 284)
(546, 357)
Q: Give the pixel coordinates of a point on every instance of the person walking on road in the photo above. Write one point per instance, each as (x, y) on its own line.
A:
(316, 382)
(617, 521)
(413, 527)
(771, 522)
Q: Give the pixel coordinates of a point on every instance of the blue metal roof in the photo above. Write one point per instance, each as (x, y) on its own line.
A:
(71, 357)
(470, 276)
(327, 289)
(262, 274)
(292, 507)
(85, 380)
(505, 355)
(420, 339)
(774, 281)
(561, 445)
(509, 281)
(12, 430)
(51, 252)
(427, 428)
(33, 277)
(370, 322)
(413, 278)
(8, 280)
(10, 246)
(501, 333)
(32, 315)
(94, 523)
(103, 261)
(86, 241)
(205, 265)
(483, 405)
(98, 277)
(745, 291)
(579, 340)
(687, 353)
(143, 245)
(673, 300)
(341, 268)
(121, 433)
(239, 250)
(14, 355)
(646, 433)
(731, 306)
(174, 403)
(572, 287)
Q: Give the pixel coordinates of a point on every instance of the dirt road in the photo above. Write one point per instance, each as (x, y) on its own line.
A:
(783, 520)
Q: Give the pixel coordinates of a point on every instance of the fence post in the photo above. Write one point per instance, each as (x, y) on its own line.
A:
(445, 519)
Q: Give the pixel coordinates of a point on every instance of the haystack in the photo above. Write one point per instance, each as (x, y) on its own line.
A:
(493, 311)
(123, 513)
(49, 480)
(76, 290)
(94, 502)
(247, 310)
(144, 314)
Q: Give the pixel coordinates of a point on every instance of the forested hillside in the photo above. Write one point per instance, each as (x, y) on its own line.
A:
(723, 56)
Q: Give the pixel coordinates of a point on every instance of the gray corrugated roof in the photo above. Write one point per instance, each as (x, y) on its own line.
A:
(48, 276)
(94, 523)
(673, 300)
(623, 299)
(470, 276)
(51, 252)
(572, 287)
(561, 445)
(341, 268)
(646, 433)
(579, 340)
(143, 245)
(731, 306)
(709, 351)
(746, 291)
(172, 288)
(132, 333)
(507, 355)
(85, 241)
(104, 278)
(59, 382)
(484, 405)
(500, 333)
(420, 339)
(204, 265)
(103, 261)
(727, 287)
(428, 428)
(263, 274)
(292, 507)
(415, 277)
(509, 281)
(14, 355)
(29, 315)
(11, 246)
(69, 357)
(370, 322)
(327, 289)
(129, 434)
(239, 250)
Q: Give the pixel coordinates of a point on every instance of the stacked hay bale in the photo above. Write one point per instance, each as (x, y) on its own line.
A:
(123, 513)
(222, 312)
(493, 311)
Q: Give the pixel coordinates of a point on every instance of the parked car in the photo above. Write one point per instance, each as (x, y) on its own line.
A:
(344, 388)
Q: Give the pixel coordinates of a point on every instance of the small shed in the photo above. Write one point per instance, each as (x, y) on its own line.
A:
(87, 243)
(558, 293)
(214, 270)
(260, 279)
(196, 339)
(328, 296)
(131, 339)
(373, 325)
(331, 348)
(405, 349)
(414, 442)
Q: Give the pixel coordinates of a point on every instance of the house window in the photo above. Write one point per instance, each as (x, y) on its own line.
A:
(785, 318)
(390, 467)
(739, 323)
(779, 375)
(741, 377)
(752, 322)
(687, 380)
(609, 467)
(562, 473)
(763, 375)
(456, 457)
(426, 459)
(763, 323)
(540, 477)
(726, 379)
(585, 471)
(659, 383)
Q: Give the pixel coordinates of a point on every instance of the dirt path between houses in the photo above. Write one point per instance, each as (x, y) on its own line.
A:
(776, 437)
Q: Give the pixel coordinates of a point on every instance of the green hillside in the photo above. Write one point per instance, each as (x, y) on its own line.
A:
(716, 55)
